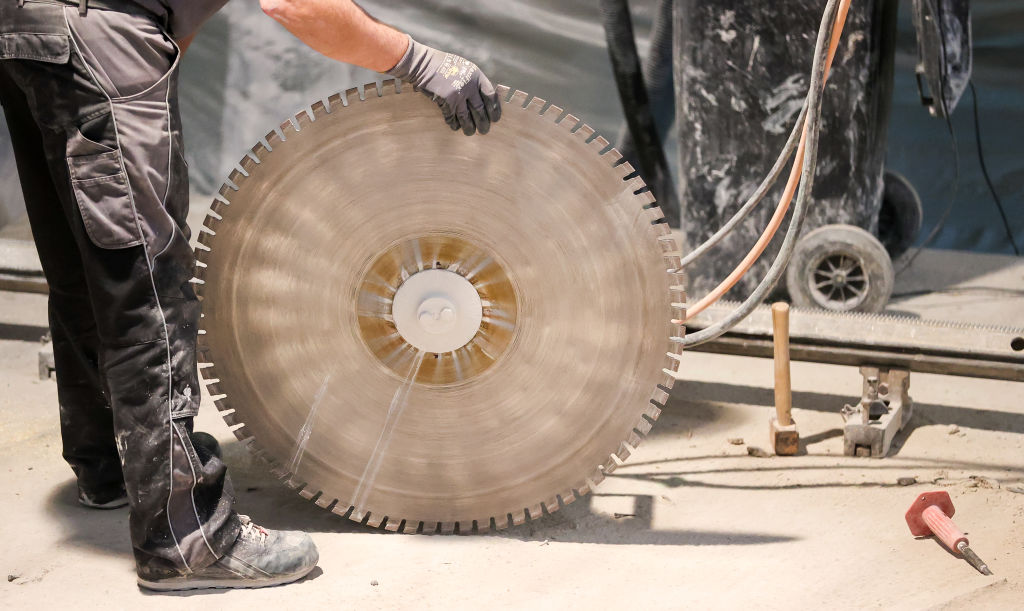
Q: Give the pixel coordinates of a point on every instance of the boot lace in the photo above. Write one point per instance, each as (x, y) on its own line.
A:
(252, 531)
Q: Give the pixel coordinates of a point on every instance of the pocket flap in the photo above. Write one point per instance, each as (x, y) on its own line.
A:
(104, 200)
(50, 48)
(86, 167)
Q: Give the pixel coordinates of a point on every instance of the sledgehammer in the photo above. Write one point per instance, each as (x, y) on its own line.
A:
(930, 514)
(785, 439)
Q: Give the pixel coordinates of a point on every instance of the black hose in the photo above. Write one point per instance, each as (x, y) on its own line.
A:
(618, 29)
(813, 121)
(659, 78)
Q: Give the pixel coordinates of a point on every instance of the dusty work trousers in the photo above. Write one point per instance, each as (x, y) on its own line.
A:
(91, 104)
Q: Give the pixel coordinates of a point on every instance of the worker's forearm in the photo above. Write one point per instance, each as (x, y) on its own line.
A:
(184, 43)
(340, 30)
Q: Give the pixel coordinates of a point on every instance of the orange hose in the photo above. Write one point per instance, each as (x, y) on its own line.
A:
(787, 194)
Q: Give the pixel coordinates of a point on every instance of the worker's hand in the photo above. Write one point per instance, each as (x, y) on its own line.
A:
(466, 97)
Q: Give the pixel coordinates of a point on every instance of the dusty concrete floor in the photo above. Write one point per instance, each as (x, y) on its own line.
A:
(691, 521)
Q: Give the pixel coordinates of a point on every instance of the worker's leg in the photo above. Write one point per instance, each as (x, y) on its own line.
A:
(87, 428)
(112, 139)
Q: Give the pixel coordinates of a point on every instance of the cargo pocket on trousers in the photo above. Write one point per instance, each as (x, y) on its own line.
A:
(104, 199)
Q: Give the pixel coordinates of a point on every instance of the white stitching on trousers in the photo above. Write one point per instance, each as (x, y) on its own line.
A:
(163, 320)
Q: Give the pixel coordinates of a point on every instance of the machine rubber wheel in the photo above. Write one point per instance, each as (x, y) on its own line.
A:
(840, 268)
(901, 214)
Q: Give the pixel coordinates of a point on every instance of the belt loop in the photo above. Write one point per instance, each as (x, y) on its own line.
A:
(83, 6)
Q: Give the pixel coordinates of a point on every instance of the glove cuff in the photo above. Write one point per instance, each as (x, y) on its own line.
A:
(406, 66)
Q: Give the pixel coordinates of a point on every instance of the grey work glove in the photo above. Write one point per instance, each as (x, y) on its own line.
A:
(466, 97)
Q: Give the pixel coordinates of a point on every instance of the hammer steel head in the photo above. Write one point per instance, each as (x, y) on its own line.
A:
(915, 518)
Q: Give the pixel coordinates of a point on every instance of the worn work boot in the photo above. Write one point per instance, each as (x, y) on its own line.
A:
(113, 499)
(259, 558)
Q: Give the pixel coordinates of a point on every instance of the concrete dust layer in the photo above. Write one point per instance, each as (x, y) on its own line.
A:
(692, 520)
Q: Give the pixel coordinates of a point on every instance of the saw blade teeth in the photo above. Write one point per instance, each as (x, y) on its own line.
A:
(550, 505)
(643, 426)
(584, 132)
(204, 238)
(502, 92)
(325, 503)
(647, 202)
(668, 244)
(251, 155)
(673, 261)
(272, 138)
(659, 396)
(651, 215)
(519, 99)
(392, 525)
(345, 511)
(319, 109)
(336, 101)
(309, 495)
(241, 434)
(411, 527)
(388, 87)
(533, 512)
(374, 521)
(569, 122)
(209, 224)
(621, 455)
(290, 125)
(626, 171)
(653, 411)
(217, 207)
(599, 144)
(660, 228)
(537, 105)
(553, 112)
(304, 118)
(668, 382)
(678, 292)
(517, 517)
(632, 442)
(355, 94)
(613, 157)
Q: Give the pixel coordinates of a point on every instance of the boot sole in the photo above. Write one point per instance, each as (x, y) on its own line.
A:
(115, 504)
(178, 584)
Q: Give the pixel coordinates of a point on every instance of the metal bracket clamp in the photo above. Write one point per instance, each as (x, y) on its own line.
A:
(885, 408)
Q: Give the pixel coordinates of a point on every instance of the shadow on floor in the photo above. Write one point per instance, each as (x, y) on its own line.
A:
(23, 333)
(701, 394)
(104, 531)
(276, 506)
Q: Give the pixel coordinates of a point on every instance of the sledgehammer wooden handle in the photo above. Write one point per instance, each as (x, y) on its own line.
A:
(783, 391)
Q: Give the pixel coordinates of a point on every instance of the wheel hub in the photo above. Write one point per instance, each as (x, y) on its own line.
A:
(440, 295)
(437, 310)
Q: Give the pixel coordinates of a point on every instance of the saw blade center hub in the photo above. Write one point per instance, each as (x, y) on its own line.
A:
(437, 310)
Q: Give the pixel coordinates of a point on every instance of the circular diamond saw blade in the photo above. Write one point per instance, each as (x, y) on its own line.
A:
(537, 236)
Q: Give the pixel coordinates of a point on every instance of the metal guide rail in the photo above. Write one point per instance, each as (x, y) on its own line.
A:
(923, 346)
(886, 349)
